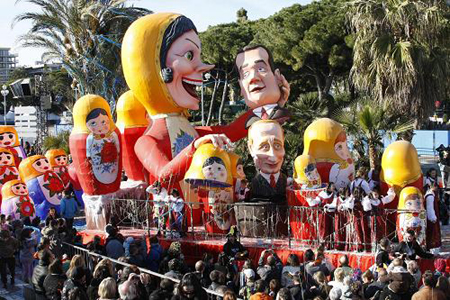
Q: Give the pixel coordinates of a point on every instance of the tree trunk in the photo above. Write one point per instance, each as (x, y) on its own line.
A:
(211, 105)
(372, 155)
(224, 96)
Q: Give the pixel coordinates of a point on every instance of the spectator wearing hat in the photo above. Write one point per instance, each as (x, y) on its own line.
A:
(233, 248)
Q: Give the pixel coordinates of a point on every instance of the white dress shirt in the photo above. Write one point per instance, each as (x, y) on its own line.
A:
(268, 108)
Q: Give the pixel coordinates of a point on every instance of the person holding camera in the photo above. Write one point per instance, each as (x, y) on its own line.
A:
(409, 249)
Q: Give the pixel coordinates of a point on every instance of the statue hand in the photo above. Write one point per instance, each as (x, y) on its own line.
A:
(285, 88)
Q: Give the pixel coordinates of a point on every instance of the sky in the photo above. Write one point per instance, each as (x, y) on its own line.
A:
(202, 12)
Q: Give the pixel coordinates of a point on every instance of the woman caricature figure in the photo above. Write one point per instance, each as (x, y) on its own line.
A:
(238, 174)
(102, 146)
(8, 170)
(9, 139)
(16, 201)
(44, 186)
(326, 141)
(412, 214)
(58, 161)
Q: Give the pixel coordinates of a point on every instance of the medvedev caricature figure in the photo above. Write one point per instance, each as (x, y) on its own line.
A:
(266, 146)
(264, 89)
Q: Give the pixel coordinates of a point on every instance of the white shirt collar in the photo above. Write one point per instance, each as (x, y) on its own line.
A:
(268, 108)
(267, 176)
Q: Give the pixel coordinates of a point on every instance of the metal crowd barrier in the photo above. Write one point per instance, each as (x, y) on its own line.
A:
(92, 258)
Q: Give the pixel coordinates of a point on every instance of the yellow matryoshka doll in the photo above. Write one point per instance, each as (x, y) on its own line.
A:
(16, 202)
(44, 185)
(8, 170)
(58, 161)
(9, 139)
(412, 214)
(326, 141)
(132, 121)
(210, 171)
(306, 175)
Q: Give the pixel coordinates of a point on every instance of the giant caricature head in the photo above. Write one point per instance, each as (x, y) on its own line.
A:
(161, 62)
(266, 145)
(257, 79)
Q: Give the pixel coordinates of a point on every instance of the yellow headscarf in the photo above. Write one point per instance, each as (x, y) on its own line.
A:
(141, 48)
(52, 154)
(130, 112)
(83, 107)
(7, 192)
(6, 128)
(26, 169)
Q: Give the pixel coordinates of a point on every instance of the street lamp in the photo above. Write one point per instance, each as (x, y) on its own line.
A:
(5, 93)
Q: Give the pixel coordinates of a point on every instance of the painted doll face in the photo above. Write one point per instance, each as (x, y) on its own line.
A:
(184, 59)
(413, 203)
(99, 125)
(240, 171)
(6, 159)
(7, 139)
(257, 80)
(342, 150)
(311, 172)
(216, 172)
(41, 165)
(61, 160)
(19, 189)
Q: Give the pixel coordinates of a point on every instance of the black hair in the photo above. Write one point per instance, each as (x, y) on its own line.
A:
(252, 47)
(260, 286)
(176, 29)
(211, 160)
(26, 221)
(56, 267)
(428, 279)
(309, 255)
(175, 193)
(95, 113)
(26, 233)
(329, 185)
(190, 279)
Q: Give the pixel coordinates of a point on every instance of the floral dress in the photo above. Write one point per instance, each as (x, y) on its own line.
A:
(104, 154)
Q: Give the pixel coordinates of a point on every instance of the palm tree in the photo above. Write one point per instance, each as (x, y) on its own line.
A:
(401, 52)
(85, 35)
(369, 122)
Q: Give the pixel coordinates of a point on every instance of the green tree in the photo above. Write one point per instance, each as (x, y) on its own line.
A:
(401, 53)
(85, 35)
(312, 40)
(60, 141)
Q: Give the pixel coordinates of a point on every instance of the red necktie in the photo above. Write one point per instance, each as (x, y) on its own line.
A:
(264, 115)
(273, 183)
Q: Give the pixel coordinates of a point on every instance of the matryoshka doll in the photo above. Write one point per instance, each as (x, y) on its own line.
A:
(9, 139)
(239, 179)
(412, 214)
(326, 141)
(58, 161)
(8, 170)
(96, 153)
(306, 175)
(16, 202)
(132, 122)
(400, 168)
(44, 185)
(210, 171)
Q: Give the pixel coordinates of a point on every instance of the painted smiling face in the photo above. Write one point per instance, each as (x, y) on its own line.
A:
(19, 189)
(413, 203)
(61, 160)
(311, 172)
(187, 67)
(6, 159)
(7, 139)
(214, 169)
(240, 171)
(256, 78)
(41, 165)
(99, 125)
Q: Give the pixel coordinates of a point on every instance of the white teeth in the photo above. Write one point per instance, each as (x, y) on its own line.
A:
(197, 83)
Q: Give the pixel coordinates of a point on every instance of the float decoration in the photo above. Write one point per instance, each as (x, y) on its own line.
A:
(9, 139)
(306, 175)
(8, 170)
(44, 185)
(16, 201)
(58, 161)
(96, 153)
(412, 214)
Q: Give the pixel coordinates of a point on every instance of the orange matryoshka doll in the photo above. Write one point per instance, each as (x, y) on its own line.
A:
(44, 185)
(132, 122)
(9, 139)
(95, 146)
(58, 161)
(326, 141)
(8, 170)
(16, 202)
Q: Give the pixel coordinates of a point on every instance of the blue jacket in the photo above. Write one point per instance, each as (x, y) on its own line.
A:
(69, 208)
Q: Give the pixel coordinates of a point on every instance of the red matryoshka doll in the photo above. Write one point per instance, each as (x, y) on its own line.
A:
(132, 122)
(8, 170)
(9, 139)
(58, 161)
(44, 186)
(16, 202)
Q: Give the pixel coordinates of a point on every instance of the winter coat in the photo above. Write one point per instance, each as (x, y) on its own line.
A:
(53, 285)
(39, 274)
